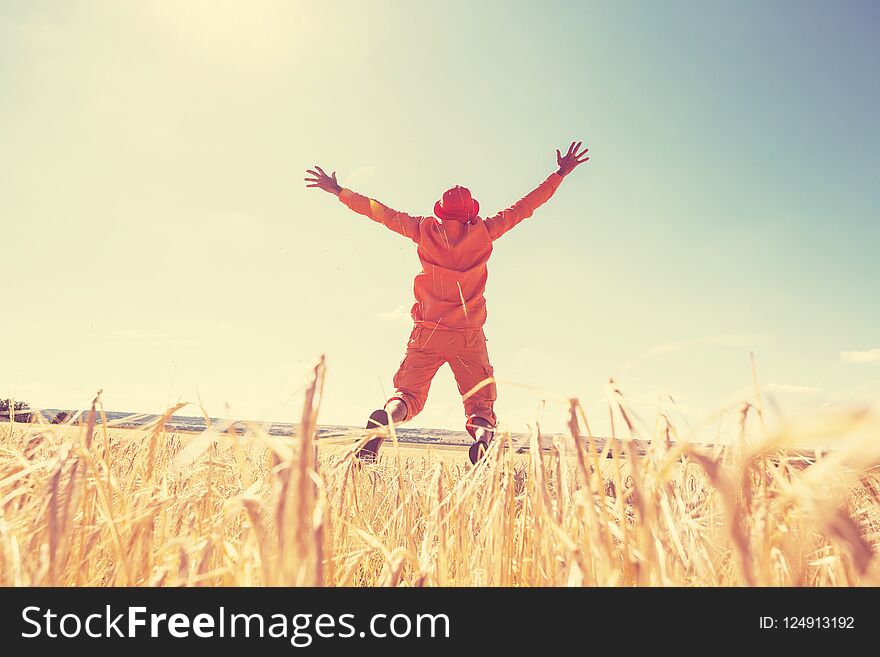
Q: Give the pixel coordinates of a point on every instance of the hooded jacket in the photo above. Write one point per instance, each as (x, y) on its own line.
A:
(450, 288)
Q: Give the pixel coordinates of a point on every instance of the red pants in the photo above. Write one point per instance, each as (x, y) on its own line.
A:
(465, 351)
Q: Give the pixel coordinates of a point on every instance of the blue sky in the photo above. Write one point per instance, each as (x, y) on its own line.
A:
(159, 244)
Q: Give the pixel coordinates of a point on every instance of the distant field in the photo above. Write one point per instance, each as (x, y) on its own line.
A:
(81, 505)
(196, 424)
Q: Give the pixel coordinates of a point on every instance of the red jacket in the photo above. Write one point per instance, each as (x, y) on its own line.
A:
(449, 289)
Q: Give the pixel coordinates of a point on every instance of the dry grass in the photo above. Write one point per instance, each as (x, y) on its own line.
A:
(90, 505)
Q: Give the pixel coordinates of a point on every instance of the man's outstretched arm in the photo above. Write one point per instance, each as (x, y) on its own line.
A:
(526, 206)
(399, 222)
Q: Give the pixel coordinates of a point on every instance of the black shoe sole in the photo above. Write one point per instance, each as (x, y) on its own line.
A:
(369, 453)
(476, 451)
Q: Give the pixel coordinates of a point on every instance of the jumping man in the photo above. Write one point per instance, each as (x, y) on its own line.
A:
(454, 246)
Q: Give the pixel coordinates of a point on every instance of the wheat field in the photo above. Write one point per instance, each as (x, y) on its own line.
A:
(90, 505)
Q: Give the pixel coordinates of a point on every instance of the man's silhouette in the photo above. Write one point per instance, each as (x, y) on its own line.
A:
(454, 246)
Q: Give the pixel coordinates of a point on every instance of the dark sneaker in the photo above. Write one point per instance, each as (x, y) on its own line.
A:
(477, 450)
(369, 453)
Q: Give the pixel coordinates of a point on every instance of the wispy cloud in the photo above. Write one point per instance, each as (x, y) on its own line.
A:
(726, 340)
(142, 338)
(400, 315)
(723, 340)
(868, 356)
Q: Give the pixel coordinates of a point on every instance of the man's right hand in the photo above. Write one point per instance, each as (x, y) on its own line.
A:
(571, 159)
(321, 180)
